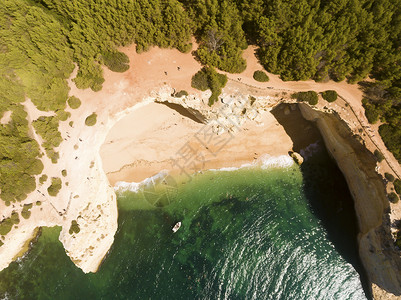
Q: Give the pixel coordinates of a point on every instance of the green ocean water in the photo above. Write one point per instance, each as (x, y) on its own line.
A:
(279, 233)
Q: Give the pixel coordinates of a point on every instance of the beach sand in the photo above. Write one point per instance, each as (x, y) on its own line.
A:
(156, 137)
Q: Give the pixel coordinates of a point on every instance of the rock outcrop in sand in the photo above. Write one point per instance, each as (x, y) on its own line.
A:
(376, 249)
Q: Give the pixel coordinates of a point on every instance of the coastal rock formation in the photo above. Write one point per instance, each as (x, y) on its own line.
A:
(297, 157)
(376, 249)
(229, 115)
(97, 221)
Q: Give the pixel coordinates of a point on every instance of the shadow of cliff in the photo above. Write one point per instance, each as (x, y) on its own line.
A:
(324, 186)
(192, 114)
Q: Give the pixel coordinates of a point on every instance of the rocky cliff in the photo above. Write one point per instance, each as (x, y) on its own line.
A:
(376, 248)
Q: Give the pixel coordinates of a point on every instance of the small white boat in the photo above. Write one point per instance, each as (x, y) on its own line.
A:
(176, 226)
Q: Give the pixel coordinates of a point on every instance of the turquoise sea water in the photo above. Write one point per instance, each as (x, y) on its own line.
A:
(246, 234)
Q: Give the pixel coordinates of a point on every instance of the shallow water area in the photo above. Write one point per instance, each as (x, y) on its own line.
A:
(246, 234)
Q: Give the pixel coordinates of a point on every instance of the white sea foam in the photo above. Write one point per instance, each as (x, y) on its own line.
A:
(230, 169)
(123, 186)
(266, 161)
(282, 161)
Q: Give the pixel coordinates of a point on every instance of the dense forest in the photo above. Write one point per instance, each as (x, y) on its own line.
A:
(40, 40)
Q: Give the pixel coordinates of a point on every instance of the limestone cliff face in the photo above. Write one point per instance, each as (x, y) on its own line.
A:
(96, 216)
(378, 255)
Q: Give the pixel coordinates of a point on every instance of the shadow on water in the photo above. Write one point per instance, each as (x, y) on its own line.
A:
(325, 187)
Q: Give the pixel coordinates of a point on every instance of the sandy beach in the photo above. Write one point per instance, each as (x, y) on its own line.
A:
(155, 138)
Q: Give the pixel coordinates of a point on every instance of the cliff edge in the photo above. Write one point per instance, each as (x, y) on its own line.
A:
(380, 258)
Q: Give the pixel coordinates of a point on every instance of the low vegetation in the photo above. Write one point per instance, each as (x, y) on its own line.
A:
(91, 119)
(208, 78)
(330, 95)
(42, 179)
(62, 115)
(397, 186)
(26, 213)
(55, 186)
(116, 61)
(389, 177)
(7, 224)
(19, 155)
(311, 97)
(180, 94)
(260, 76)
(371, 111)
(379, 156)
(74, 228)
(74, 102)
(393, 197)
(47, 128)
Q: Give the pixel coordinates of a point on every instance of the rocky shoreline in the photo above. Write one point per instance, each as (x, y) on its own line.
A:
(378, 254)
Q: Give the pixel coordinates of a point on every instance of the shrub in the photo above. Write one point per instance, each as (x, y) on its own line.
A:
(91, 120)
(47, 128)
(63, 115)
(5, 226)
(311, 97)
(329, 96)
(391, 136)
(55, 187)
(18, 154)
(260, 76)
(26, 214)
(74, 228)
(389, 177)
(53, 155)
(116, 61)
(181, 94)
(371, 112)
(200, 81)
(38, 203)
(372, 115)
(42, 179)
(14, 217)
(208, 78)
(397, 186)
(36, 167)
(25, 211)
(392, 197)
(64, 173)
(379, 156)
(74, 102)
(252, 99)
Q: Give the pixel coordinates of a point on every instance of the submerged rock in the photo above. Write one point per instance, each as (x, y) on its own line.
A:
(296, 157)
